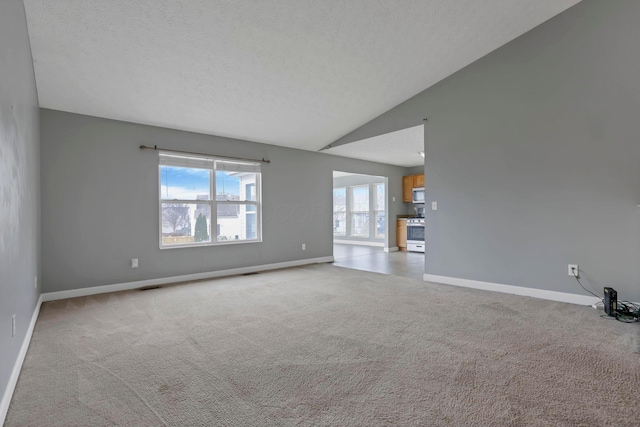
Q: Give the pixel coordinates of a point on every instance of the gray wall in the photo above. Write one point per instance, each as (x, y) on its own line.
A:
(100, 207)
(533, 155)
(19, 184)
(415, 170)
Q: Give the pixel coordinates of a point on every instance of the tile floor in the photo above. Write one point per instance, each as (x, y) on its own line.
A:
(371, 258)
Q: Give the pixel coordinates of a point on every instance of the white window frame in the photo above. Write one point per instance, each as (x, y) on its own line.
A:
(216, 164)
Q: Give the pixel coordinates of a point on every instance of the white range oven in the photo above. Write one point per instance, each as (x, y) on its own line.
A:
(415, 235)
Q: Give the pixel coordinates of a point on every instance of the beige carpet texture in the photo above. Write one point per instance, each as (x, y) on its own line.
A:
(326, 346)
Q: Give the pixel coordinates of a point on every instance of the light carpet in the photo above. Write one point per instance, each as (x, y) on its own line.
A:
(326, 346)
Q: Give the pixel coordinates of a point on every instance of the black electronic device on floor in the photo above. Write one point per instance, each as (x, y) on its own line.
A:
(610, 302)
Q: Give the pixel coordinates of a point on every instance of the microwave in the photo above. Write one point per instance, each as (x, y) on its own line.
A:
(418, 195)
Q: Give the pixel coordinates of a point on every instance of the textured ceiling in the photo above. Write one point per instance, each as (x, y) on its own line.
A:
(396, 148)
(296, 73)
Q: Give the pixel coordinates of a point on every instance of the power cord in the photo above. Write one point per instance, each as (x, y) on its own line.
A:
(575, 274)
(626, 311)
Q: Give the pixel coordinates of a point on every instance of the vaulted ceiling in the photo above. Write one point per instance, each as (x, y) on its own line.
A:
(295, 73)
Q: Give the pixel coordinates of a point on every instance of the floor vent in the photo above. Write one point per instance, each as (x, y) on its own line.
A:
(250, 274)
(148, 288)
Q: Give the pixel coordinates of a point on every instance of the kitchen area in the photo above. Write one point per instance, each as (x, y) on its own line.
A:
(410, 228)
(408, 259)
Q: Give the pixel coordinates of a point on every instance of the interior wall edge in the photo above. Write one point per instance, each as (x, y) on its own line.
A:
(17, 367)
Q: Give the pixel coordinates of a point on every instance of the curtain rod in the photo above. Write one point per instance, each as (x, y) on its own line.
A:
(155, 147)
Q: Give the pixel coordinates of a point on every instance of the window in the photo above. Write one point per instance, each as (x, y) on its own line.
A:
(339, 211)
(359, 211)
(196, 192)
(379, 210)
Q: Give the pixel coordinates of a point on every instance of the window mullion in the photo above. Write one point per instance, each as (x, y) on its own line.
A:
(237, 202)
(177, 201)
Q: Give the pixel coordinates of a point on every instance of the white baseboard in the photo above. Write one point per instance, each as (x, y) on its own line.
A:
(392, 249)
(17, 367)
(515, 290)
(359, 242)
(95, 290)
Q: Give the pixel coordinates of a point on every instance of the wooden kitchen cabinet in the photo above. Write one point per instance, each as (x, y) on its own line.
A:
(410, 182)
(401, 234)
(407, 186)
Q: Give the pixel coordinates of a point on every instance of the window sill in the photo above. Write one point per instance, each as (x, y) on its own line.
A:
(210, 244)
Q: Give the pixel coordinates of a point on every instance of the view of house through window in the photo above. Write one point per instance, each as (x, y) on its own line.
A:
(196, 192)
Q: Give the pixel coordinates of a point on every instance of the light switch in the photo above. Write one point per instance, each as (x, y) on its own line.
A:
(434, 206)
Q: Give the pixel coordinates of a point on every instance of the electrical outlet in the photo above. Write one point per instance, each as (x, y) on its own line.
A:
(13, 326)
(304, 246)
(434, 206)
(134, 262)
(574, 271)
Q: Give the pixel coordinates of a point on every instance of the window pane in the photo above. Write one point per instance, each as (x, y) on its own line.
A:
(235, 222)
(380, 224)
(250, 194)
(251, 225)
(360, 198)
(232, 186)
(339, 211)
(379, 197)
(360, 224)
(185, 223)
(227, 186)
(339, 223)
(179, 183)
(379, 210)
